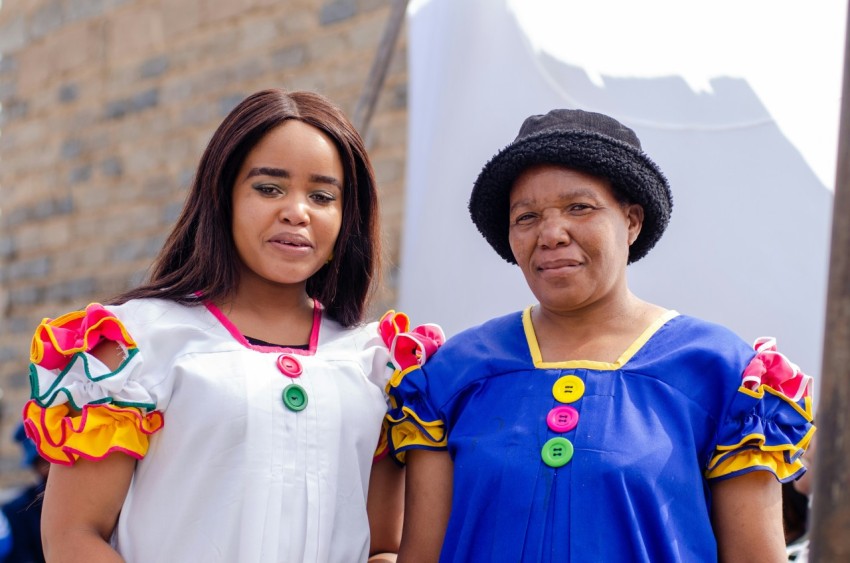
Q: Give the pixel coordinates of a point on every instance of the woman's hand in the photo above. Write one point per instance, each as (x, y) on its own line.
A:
(747, 518)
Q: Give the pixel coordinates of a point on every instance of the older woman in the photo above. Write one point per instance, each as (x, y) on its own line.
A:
(593, 426)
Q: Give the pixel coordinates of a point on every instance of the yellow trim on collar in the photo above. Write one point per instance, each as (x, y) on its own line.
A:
(537, 357)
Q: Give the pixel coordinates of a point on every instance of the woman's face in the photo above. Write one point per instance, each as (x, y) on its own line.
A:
(570, 236)
(287, 204)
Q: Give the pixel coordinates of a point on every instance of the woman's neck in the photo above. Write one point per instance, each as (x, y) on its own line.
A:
(271, 312)
(599, 332)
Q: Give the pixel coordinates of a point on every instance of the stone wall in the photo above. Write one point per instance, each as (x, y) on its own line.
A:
(106, 108)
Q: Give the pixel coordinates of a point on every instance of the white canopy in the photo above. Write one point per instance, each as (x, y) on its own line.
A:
(748, 243)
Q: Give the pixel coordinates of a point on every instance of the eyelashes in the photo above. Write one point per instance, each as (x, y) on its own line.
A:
(320, 197)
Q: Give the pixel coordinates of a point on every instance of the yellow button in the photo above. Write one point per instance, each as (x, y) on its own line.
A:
(568, 389)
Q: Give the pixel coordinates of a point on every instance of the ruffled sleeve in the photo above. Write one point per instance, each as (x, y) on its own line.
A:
(768, 425)
(411, 421)
(78, 406)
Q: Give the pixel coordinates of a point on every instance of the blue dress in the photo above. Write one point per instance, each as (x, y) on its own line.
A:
(595, 461)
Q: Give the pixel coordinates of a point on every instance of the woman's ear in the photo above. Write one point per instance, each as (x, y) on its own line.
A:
(634, 214)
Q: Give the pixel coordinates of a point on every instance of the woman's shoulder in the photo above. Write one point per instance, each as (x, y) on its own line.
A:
(495, 346)
(332, 334)
(700, 358)
(689, 334)
(168, 329)
(150, 310)
(163, 313)
(493, 332)
(354, 345)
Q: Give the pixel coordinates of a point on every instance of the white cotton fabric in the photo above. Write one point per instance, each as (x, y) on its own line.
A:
(88, 380)
(236, 476)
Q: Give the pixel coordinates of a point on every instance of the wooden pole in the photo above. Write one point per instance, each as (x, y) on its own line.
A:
(830, 535)
(366, 104)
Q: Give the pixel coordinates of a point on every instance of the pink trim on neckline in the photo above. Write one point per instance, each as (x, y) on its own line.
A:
(234, 332)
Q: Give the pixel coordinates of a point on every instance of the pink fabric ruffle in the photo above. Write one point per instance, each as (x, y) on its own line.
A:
(56, 340)
(408, 347)
(774, 370)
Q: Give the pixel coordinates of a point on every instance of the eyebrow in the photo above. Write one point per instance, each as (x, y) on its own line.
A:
(281, 173)
(564, 195)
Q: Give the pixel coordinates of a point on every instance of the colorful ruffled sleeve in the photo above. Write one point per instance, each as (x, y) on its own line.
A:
(769, 422)
(411, 422)
(78, 406)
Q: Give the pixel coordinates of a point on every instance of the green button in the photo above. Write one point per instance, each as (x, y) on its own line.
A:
(295, 397)
(557, 452)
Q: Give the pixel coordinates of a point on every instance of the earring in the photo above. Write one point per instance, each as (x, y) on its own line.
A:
(330, 258)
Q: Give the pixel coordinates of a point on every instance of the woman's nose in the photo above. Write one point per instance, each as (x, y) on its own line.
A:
(294, 211)
(554, 232)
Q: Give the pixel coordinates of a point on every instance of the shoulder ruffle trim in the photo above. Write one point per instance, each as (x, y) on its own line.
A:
(57, 340)
(62, 436)
(769, 424)
(407, 430)
(409, 350)
(409, 347)
(769, 369)
(83, 367)
(64, 370)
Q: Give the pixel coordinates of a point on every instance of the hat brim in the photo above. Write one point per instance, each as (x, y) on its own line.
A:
(629, 170)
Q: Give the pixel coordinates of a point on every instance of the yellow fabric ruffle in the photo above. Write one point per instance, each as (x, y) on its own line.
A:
(760, 441)
(755, 454)
(754, 459)
(404, 433)
(62, 436)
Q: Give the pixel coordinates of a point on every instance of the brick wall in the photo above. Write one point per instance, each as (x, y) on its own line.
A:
(106, 108)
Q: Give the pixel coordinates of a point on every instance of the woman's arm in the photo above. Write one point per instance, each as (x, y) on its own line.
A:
(747, 517)
(385, 507)
(82, 501)
(81, 506)
(428, 504)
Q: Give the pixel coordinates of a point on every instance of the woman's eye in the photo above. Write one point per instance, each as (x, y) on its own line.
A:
(267, 189)
(580, 207)
(524, 219)
(323, 197)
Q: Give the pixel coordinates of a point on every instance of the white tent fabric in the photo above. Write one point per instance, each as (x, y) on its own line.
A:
(748, 243)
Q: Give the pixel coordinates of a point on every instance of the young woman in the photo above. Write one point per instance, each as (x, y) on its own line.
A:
(593, 426)
(230, 408)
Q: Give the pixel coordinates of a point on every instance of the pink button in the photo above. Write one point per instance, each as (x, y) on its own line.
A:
(562, 419)
(289, 365)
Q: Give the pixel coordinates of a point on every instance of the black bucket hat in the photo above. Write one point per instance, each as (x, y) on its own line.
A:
(587, 141)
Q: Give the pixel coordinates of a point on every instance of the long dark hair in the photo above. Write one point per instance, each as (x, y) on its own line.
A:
(199, 256)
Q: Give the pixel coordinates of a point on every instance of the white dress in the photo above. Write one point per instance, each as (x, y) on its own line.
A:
(234, 475)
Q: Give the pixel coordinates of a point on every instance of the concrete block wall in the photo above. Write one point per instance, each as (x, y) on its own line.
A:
(106, 108)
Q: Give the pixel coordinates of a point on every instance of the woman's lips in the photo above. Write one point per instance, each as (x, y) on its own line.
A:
(292, 244)
(291, 239)
(558, 265)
